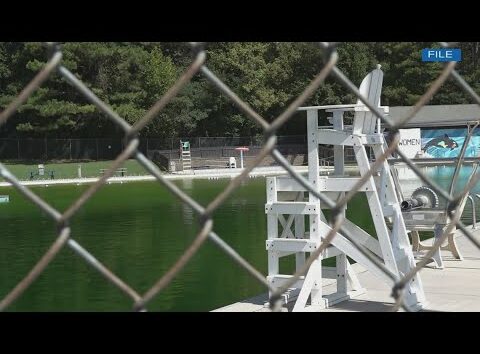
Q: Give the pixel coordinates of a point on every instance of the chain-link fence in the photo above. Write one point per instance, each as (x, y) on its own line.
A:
(52, 149)
(206, 231)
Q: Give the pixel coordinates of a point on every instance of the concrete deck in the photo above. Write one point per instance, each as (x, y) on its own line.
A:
(454, 289)
(194, 174)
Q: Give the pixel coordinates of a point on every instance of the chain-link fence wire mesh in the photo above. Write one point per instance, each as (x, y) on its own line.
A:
(54, 149)
(198, 66)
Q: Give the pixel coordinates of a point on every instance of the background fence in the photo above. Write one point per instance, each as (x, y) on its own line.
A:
(76, 149)
(108, 149)
(206, 231)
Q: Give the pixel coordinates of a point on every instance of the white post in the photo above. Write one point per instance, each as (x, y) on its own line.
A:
(241, 158)
(338, 150)
(341, 261)
(272, 228)
(79, 171)
(315, 271)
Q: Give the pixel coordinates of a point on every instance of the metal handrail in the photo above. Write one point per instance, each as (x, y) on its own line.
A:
(474, 218)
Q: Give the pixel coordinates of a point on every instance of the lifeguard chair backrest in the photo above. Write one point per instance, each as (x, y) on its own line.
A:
(184, 145)
(365, 122)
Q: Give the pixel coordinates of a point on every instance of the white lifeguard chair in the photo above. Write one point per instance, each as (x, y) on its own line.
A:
(185, 155)
(289, 204)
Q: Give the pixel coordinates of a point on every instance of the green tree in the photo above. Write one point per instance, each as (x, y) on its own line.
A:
(131, 77)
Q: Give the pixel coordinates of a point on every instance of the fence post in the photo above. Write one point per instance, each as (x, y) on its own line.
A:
(70, 140)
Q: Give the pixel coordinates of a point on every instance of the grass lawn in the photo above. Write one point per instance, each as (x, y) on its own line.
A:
(70, 170)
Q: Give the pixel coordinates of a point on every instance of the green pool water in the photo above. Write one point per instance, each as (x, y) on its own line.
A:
(139, 230)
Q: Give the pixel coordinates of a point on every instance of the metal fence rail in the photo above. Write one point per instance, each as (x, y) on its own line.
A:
(206, 231)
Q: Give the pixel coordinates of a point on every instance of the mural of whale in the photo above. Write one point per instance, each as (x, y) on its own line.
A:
(441, 142)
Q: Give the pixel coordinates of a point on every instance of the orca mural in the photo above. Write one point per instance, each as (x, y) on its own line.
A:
(449, 142)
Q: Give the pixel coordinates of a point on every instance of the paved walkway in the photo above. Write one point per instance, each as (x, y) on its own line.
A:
(455, 288)
(194, 174)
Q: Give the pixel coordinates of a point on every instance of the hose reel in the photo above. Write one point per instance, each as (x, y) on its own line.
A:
(422, 197)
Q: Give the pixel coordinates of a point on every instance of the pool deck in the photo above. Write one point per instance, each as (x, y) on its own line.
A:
(193, 174)
(456, 288)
